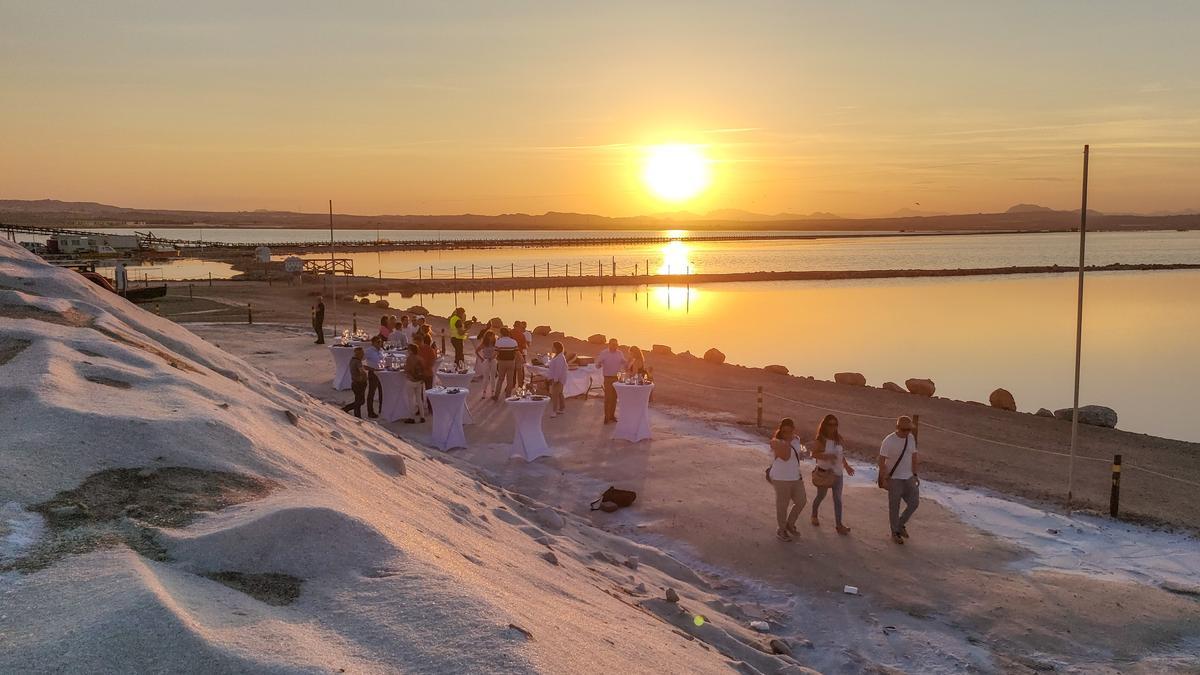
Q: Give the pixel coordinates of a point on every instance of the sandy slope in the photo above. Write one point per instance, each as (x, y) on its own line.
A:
(407, 563)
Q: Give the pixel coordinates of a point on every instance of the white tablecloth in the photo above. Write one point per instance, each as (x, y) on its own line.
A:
(341, 366)
(579, 381)
(448, 417)
(396, 401)
(454, 379)
(633, 414)
(528, 440)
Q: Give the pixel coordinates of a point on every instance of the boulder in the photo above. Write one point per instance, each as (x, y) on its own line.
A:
(1002, 399)
(714, 355)
(597, 339)
(541, 330)
(661, 350)
(1095, 415)
(1043, 412)
(855, 379)
(892, 386)
(417, 309)
(382, 303)
(920, 387)
(777, 369)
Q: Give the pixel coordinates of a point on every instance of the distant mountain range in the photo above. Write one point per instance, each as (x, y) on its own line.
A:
(51, 212)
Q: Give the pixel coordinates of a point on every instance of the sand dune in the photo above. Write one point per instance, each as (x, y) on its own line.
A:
(200, 515)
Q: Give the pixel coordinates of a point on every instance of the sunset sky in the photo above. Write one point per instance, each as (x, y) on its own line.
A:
(494, 107)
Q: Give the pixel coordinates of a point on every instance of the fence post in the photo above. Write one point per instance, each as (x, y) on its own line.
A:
(512, 270)
(249, 313)
(635, 269)
(420, 272)
(472, 270)
(355, 324)
(599, 268)
(760, 406)
(534, 268)
(456, 272)
(1114, 497)
(647, 267)
(190, 291)
(547, 270)
(580, 268)
(492, 269)
(210, 279)
(614, 266)
(431, 271)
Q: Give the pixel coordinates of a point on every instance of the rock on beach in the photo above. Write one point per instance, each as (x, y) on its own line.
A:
(1002, 399)
(777, 369)
(892, 386)
(854, 379)
(920, 387)
(1094, 415)
(714, 355)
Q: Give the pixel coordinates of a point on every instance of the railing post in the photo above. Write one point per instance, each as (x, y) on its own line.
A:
(1114, 497)
(249, 313)
(472, 270)
(190, 291)
(210, 279)
(512, 270)
(614, 266)
(547, 270)
(354, 328)
(760, 406)
(420, 272)
(456, 272)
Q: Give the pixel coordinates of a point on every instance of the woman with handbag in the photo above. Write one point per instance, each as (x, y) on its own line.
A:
(828, 474)
(784, 476)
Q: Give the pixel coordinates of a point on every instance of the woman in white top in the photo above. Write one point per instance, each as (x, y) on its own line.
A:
(785, 478)
(830, 456)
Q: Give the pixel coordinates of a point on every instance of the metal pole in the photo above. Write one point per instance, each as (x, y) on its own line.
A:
(332, 286)
(249, 313)
(1078, 333)
(760, 411)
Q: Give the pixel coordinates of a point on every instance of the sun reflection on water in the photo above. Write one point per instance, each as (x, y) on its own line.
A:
(675, 258)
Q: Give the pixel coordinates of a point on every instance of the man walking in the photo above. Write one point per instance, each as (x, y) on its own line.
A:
(458, 333)
(506, 360)
(898, 475)
(318, 319)
(611, 362)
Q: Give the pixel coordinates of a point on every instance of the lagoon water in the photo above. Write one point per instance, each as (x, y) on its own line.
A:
(1141, 349)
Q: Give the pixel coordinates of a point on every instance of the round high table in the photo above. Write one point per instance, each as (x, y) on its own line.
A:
(396, 403)
(528, 440)
(448, 412)
(458, 380)
(341, 366)
(633, 412)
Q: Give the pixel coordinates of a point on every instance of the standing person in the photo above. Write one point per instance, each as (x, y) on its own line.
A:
(407, 329)
(518, 333)
(506, 358)
(121, 276)
(414, 385)
(611, 362)
(385, 328)
(458, 333)
(485, 361)
(898, 475)
(557, 375)
(318, 319)
(784, 475)
(428, 354)
(830, 454)
(637, 361)
(358, 383)
(373, 361)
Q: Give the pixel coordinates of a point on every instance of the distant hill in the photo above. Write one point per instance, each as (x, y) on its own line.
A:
(1028, 208)
(89, 215)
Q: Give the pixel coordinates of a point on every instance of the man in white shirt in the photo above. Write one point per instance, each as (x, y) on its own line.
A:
(406, 330)
(610, 361)
(373, 361)
(898, 475)
(506, 361)
(556, 375)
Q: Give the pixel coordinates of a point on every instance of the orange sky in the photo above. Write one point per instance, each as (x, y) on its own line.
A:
(504, 107)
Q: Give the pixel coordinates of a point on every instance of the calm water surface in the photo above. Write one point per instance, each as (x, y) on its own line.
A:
(969, 335)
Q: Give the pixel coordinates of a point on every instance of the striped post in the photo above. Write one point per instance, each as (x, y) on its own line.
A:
(1114, 496)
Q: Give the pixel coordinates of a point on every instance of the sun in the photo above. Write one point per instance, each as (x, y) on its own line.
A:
(676, 172)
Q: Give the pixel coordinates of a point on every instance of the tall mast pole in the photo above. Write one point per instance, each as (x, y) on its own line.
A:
(332, 275)
(1078, 331)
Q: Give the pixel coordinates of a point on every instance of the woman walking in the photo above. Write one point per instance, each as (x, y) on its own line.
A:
(485, 361)
(784, 475)
(831, 465)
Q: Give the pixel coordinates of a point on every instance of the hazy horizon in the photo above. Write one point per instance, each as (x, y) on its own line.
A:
(532, 107)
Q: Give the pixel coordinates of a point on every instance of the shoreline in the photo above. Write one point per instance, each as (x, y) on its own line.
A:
(411, 287)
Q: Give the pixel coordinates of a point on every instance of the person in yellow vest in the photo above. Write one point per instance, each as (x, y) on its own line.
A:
(458, 333)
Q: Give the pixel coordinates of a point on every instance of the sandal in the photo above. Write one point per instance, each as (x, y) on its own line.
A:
(782, 535)
(842, 529)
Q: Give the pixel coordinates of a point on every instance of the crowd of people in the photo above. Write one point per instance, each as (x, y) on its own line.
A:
(502, 355)
(898, 465)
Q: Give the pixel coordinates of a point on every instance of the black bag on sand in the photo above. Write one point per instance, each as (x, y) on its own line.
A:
(622, 498)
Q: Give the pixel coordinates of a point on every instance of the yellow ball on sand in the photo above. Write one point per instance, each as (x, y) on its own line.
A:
(699, 620)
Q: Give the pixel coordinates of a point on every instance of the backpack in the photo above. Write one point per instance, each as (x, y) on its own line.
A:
(622, 498)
